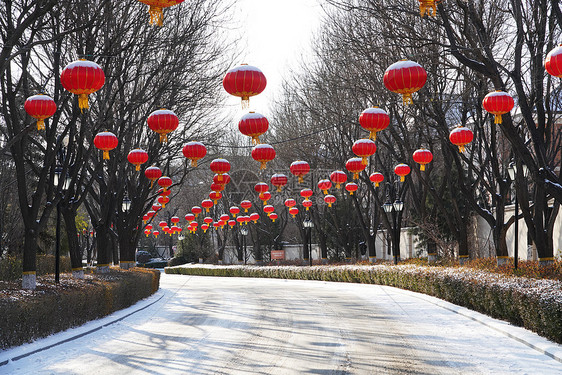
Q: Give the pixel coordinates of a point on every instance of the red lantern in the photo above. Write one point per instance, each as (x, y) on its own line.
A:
(245, 205)
(247, 219)
(268, 209)
(215, 196)
(364, 148)
(306, 193)
(207, 204)
(149, 227)
(225, 179)
(163, 201)
(263, 153)
(234, 211)
(254, 217)
(220, 166)
(253, 125)
(194, 225)
(355, 166)
(152, 173)
(293, 211)
(273, 216)
(217, 187)
(156, 207)
(265, 196)
(137, 157)
(196, 210)
(244, 81)
(150, 214)
(40, 107)
(82, 78)
(216, 224)
(194, 151)
(279, 180)
(156, 233)
(147, 232)
(106, 141)
(405, 77)
(376, 178)
(324, 185)
(422, 157)
(299, 169)
(224, 217)
(498, 103)
(163, 121)
(330, 199)
(232, 223)
(208, 220)
(175, 219)
(461, 136)
(402, 170)
(351, 187)
(429, 7)
(338, 178)
(553, 62)
(190, 217)
(165, 182)
(261, 187)
(145, 218)
(290, 202)
(240, 219)
(205, 227)
(307, 204)
(374, 120)
(155, 9)
(162, 224)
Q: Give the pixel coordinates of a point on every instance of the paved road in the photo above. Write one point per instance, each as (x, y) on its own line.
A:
(205, 325)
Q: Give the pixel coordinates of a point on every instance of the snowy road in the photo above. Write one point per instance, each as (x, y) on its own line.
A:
(205, 325)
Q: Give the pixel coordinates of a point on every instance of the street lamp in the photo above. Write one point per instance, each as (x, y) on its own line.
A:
(512, 171)
(181, 237)
(244, 233)
(394, 208)
(308, 225)
(126, 205)
(57, 179)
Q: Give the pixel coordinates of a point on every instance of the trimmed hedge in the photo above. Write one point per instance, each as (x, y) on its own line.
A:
(530, 303)
(28, 315)
(11, 267)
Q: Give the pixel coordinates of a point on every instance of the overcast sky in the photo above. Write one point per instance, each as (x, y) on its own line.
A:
(275, 34)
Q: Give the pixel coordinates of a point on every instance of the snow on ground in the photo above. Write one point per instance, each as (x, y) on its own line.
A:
(206, 325)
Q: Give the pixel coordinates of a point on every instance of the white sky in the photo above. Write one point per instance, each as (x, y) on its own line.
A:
(274, 36)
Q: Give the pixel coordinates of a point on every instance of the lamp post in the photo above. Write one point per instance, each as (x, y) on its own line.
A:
(394, 208)
(244, 233)
(308, 225)
(58, 178)
(512, 171)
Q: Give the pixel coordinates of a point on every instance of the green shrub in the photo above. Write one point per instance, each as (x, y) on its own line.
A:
(30, 315)
(533, 304)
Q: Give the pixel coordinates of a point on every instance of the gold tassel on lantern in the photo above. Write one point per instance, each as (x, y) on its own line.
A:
(83, 102)
(407, 99)
(497, 119)
(156, 15)
(245, 102)
(105, 155)
(137, 168)
(422, 167)
(40, 124)
(193, 163)
(255, 139)
(263, 165)
(429, 7)
(364, 161)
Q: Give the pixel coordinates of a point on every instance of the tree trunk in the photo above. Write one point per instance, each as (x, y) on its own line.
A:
(29, 259)
(69, 217)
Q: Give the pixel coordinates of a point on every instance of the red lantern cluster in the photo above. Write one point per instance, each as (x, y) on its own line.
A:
(244, 81)
(498, 103)
(405, 77)
(40, 107)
